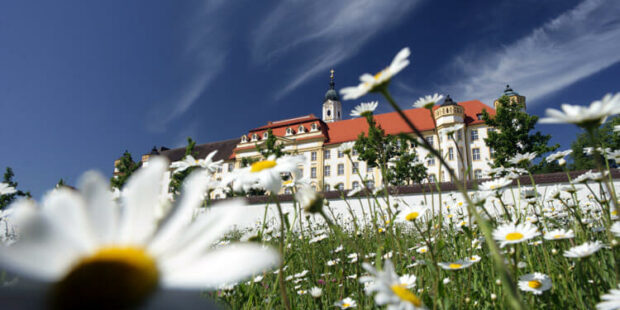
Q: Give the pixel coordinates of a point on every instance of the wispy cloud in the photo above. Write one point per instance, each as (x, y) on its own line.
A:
(320, 34)
(566, 49)
(204, 54)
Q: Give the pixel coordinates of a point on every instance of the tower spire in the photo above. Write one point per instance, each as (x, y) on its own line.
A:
(332, 84)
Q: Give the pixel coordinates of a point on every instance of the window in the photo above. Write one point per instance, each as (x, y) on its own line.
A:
(478, 174)
(491, 152)
(474, 134)
(327, 154)
(313, 156)
(431, 178)
(430, 161)
(254, 137)
(289, 131)
(459, 135)
(265, 135)
(430, 140)
(475, 153)
(219, 169)
(314, 127)
(340, 186)
(355, 166)
(231, 167)
(244, 139)
(450, 153)
(329, 112)
(340, 169)
(355, 185)
(354, 152)
(327, 171)
(370, 184)
(490, 130)
(288, 191)
(326, 188)
(479, 116)
(369, 169)
(340, 154)
(301, 129)
(313, 172)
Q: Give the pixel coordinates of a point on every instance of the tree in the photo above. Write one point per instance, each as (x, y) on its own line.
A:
(512, 135)
(6, 200)
(376, 148)
(270, 146)
(406, 168)
(607, 137)
(125, 167)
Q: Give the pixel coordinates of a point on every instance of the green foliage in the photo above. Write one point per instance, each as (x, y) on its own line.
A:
(605, 135)
(406, 168)
(60, 183)
(513, 126)
(376, 148)
(176, 181)
(270, 146)
(126, 168)
(6, 200)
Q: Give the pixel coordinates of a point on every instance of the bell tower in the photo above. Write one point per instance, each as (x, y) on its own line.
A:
(332, 108)
(513, 96)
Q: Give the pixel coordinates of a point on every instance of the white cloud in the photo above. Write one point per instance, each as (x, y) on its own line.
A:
(204, 54)
(321, 34)
(576, 44)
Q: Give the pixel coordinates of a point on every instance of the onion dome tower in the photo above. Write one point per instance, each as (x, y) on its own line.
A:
(448, 113)
(513, 96)
(332, 108)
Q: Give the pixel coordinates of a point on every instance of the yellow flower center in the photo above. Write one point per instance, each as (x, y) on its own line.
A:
(287, 182)
(534, 284)
(346, 305)
(412, 216)
(423, 250)
(558, 236)
(455, 266)
(513, 236)
(404, 294)
(263, 164)
(492, 187)
(378, 75)
(614, 212)
(112, 278)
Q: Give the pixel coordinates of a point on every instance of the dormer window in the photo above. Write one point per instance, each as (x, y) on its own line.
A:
(254, 137)
(244, 139)
(314, 127)
(265, 135)
(301, 129)
(289, 131)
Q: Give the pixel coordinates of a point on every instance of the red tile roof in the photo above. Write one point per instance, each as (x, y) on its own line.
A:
(348, 130)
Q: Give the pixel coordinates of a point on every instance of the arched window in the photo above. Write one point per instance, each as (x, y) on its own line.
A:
(329, 112)
(340, 186)
(314, 127)
(254, 137)
(289, 131)
(301, 129)
(244, 139)
(265, 135)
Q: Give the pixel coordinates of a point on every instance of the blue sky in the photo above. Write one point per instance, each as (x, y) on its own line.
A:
(82, 81)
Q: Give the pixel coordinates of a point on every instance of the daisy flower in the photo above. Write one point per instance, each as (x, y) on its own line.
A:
(474, 258)
(495, 185)
(427, 101)
(422, 249)
(346, 303)
(610, 301)
(586, 249)
(558, 234)
(6, 189)
(370, 83)
(520, 158)
(267, 173)
(459, 264)
(392, 290)
(316, 292)
(412, 213)
(116, 256)
(514, 233)
(558, 155)
(536, 283)
(309, 199)
(364, 109)
(587, 117)
(615, 229)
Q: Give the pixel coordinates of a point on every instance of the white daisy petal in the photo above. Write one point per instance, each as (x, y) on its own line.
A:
(102, 212)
